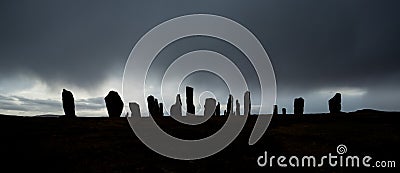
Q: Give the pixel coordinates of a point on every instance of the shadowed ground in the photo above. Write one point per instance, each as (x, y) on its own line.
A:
(50, 144)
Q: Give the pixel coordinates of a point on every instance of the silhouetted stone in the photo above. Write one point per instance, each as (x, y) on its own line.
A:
(209, 107)
(189, 101)
(176, 109)
(68, 103)
(247, 103)
(283, 111)
(153, 106)
(298, 106)
(229, 106)
(237, 107)
(135, 109)
(225, 113)
(114, 104)
(217, 110)
(150, 105)
(275, 110)
(161, 110)
(335, 103)
(156, 106)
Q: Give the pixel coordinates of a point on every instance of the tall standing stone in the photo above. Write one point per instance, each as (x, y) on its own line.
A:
(189, 101)
(237, 107)
(283, 111)
(299, 106)
(229, 109)
(217, 110)
(275, 110)
(176, 109)
(68, 103)
(161, 110)
(335, 103)
(135, 109)
(150, 105)
(153, 106)
(114, 104)
(247, 103)
(209, 107)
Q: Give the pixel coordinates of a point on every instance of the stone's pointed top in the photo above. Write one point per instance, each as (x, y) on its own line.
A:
(335, 103)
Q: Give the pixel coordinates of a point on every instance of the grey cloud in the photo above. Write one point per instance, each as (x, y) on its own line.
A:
(90, 104)
(19, 103)
(312, 44)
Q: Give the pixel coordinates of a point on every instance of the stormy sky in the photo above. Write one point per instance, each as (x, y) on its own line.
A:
(317, 48)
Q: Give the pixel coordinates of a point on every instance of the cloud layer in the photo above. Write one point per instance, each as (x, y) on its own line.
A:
(316, 47)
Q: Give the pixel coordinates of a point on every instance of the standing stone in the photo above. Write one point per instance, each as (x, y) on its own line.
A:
(335, 103)
(225, 113)
(283, 111)
(247, 103)
(298, 106)
(161, 111)
(229, 109)
(231, 103)
(114, 104)
(156, 107)
(68, 103)
(275, 110)
(153, 106)
(176, 109)
(237, 107)
(209, 107)
(189, 101)
(135, 109)
(150, 105)
(217, 110)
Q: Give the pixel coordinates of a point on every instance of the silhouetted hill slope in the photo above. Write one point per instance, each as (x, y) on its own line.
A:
(370, 111)
(49, 115)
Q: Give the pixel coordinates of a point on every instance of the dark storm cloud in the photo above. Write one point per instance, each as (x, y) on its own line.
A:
(312, 44)
(338, 43)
